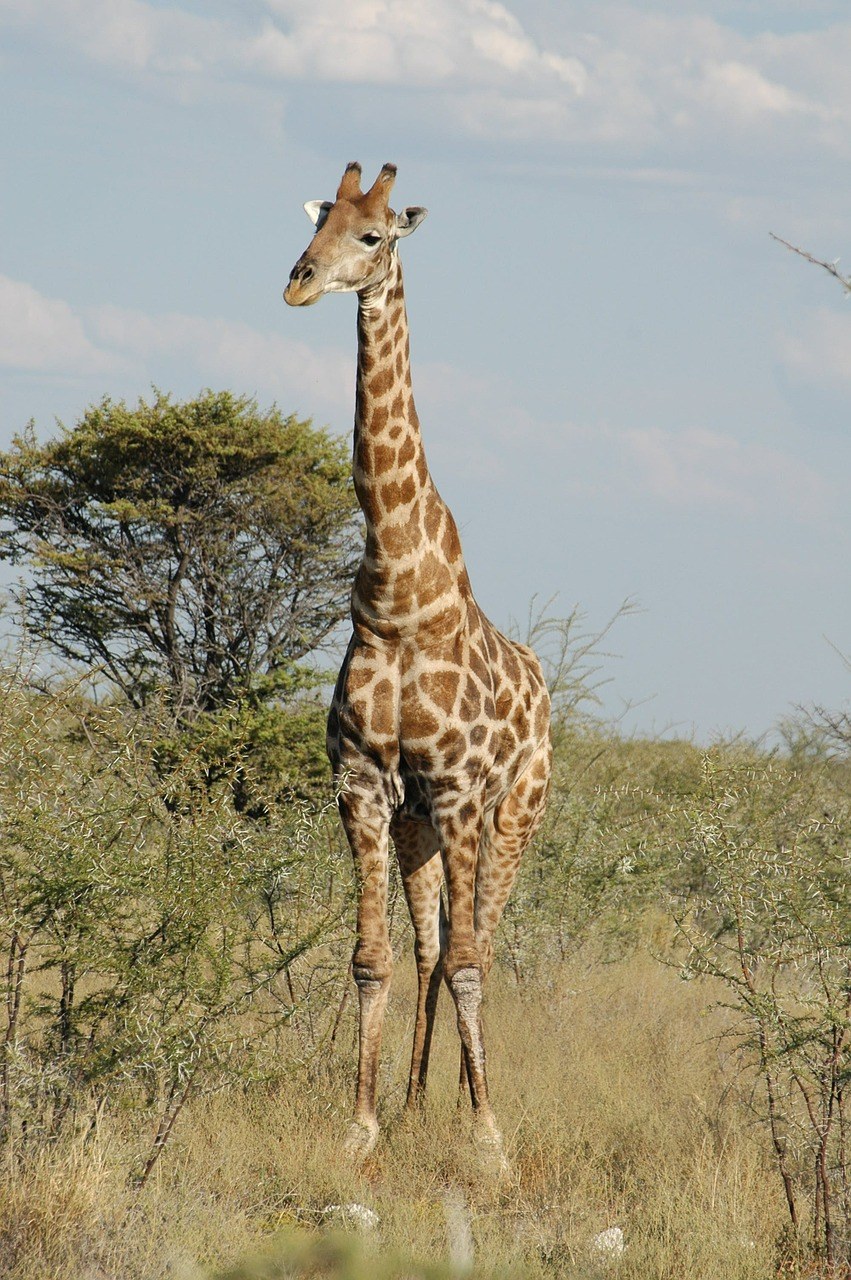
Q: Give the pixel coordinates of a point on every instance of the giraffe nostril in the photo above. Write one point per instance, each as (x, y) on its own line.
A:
(302, 271)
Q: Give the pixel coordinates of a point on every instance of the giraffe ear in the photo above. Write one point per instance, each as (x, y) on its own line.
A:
(409, 219)
(317, 211)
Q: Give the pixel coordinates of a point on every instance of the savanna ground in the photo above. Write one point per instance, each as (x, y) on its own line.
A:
(619, 1105)
(667, 1024)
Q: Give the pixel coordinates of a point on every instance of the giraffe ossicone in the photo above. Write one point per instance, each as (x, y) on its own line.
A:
(439, 724)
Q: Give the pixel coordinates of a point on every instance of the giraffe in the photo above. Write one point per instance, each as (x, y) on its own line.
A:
(439, 727)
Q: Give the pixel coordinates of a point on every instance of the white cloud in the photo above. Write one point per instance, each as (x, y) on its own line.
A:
(44, 334)
(227, 352)
(697, 466)
(477, 426)
(397, 42)
(49, 336)
(128, 35)
(619, 75)
(744, 91)
(613, 75)
(400, 42)
(690, 467)
(472, 422)
(364, 41)
(811, 62)
(820, 348)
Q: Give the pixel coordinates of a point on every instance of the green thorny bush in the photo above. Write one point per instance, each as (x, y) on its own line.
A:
(748, 854)
(594, 863)
(602, 862)
(772, 846)
(141, 916)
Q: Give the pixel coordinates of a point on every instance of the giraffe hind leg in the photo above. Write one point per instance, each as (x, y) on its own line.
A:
(506, 834)
(461, 829)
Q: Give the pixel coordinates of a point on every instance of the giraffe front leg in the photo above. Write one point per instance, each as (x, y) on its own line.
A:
(417, 849)
(506, 833)
(367, 821)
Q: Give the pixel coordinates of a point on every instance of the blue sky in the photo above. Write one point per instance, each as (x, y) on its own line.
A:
(627, 388)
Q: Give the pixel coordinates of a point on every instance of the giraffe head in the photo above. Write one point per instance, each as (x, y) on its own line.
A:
(355, 239)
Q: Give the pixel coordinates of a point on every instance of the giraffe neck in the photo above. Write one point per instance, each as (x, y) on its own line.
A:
(412, 575)
(388, 449)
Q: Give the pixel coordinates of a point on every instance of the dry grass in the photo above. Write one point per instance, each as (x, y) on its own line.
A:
(616, 1101)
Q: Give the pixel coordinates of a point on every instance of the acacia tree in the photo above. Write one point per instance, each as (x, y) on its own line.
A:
(193, 554)
(200, 548)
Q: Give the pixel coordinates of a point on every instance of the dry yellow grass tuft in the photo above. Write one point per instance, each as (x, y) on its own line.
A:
(619, 1110)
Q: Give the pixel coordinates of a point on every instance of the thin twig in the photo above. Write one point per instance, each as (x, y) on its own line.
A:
(845, 281)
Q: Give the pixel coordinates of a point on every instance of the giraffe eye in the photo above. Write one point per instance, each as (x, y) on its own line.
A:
(370, 239)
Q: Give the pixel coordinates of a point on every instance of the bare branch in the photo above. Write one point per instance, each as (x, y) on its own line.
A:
(845, 281)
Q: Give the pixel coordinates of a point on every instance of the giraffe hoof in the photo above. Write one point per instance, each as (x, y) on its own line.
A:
(413, 1115)
(488, 1142)
(360, 1139)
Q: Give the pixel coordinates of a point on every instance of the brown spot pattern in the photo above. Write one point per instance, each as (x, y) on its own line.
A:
(441, 686)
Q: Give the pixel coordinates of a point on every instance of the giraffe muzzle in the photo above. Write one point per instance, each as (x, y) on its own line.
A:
(298, 291)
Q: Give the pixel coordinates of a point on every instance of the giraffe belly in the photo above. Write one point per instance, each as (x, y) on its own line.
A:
(416, 804)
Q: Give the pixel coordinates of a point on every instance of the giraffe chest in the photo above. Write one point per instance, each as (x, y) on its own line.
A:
(437, 718)
(456, 730)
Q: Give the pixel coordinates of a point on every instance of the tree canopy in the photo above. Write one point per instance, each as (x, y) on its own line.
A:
(201, 548)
